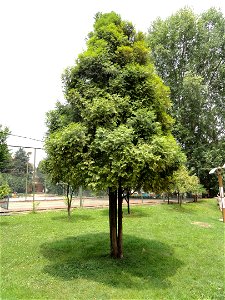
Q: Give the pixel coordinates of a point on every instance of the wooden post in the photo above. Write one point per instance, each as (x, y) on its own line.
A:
(221, 194)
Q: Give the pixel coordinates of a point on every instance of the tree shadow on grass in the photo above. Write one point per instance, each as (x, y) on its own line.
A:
(146, 263)
(4, 223)
(135, 212)
(74, 218)
(184, 208)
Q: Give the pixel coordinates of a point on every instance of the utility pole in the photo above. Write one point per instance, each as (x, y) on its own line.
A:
(27, 175)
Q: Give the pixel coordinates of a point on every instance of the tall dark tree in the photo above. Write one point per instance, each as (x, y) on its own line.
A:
(114, 131)
(5, 156)
(189, 54)
(21, 163)
(19, 175)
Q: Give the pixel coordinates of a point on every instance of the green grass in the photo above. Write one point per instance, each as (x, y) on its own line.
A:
(169, 253)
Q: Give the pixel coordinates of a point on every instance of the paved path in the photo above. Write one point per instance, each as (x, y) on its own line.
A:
(52, 203)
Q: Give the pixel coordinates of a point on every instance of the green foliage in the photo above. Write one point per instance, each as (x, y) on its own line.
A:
(65, 150)
(183, 182)
(4, 187)
(17, 183)
(45, 179)
(19, 171)
(5, 157)
(20, 163)
(115, 123)
(15, 168)
(195, 187)
(4, 190)
(188, 52)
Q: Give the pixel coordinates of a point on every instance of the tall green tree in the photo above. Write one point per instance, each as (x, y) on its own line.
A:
(114, 131)
(4, 187)
(45, 179)
(182, 182)
(189, 54)
(19, 176)
(21, 165)
(5, 156)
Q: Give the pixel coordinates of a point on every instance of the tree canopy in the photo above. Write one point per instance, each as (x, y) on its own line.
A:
(189, 54)
(114, 130)
(5, 156)
(20, 163)
(4, 187)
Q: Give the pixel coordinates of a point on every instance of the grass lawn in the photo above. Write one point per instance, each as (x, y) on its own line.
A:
(169, 253)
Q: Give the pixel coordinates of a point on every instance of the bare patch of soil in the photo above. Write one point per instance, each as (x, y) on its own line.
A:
(202, 224)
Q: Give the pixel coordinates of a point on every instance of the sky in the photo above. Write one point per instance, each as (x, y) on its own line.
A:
(41, 38)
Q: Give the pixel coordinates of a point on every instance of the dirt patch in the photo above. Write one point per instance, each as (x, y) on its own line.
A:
(202, 224)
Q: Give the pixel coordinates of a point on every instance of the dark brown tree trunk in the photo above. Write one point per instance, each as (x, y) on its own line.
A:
(120, 222)
(69, 200)
(178, 197)
(68, 209)
(113, 222)
(128, 202)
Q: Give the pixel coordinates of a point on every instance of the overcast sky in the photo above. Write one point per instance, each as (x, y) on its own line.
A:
(40, 38)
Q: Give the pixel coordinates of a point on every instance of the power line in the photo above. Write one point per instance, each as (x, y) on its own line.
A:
(25, 137)
(28, 147)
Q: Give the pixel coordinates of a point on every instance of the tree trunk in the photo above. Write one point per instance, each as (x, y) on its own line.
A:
(178, 197)
(120, 222)
(113, 222)
(128, 202)
(69, 200)
(196, 198)
(68, 208)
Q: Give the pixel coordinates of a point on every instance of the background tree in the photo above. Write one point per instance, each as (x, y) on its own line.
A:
(5, 156)
(114, 131)
(189, 54)
(4, 187)
(61, 183)
(182, 182)
(195, 187)
(21, 163)
(20, 173)
(46, 181)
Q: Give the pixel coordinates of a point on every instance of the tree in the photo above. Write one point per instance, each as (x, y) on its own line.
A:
(189, 54)
(55, 185)
(45, 180)
(5, 156)
(114, 131)
(195, 187)
(21, 163)
(4, 187)
(69, 199)
(20, 171)
(181, 181)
